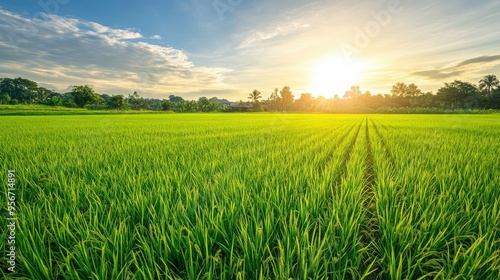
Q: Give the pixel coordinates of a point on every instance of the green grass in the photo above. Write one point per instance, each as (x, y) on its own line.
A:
(38, 110)
(254, 196)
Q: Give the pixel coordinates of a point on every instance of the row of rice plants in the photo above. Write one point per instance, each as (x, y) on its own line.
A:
(438, 198)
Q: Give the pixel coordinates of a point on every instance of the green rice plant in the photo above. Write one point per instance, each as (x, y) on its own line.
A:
(427, 212)
(254, 196)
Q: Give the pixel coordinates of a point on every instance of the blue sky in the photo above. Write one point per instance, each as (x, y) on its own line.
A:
(227, 48)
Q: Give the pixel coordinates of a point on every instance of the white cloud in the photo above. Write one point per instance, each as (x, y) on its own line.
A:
(110, 32)
(62, 51)
(255, 36)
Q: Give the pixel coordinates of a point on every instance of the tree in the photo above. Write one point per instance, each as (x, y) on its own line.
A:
(106, 98)
(137, 102)
(4, 93)
(305, 102)
(6, 87)
(175, 99)
(494, 99)
(257, 107)
(489, 83)
(166, 105)
(4, 98)
(286, 98)
(42, 93)
(179, 106)
(191, 106)
(255, 96)
(354, 92)
(399, 89)
(68, 100)
(274, 100)
(22, 90)
(85, 95)
(117, 102)
(204, 105)
(413, 91)
(274, 95)
(56, 100)
(134, 100)
(185, 106)
(403, 90)
(459, 94)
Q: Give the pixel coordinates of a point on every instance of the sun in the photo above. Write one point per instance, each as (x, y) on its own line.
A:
(335, 75)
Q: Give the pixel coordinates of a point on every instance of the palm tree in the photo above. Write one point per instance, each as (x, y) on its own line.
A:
(255, 96)
(274, 95)
(488, 83)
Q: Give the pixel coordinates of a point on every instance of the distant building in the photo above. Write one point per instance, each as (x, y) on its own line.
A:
(240, 107)
(222, 102)
(226, 103)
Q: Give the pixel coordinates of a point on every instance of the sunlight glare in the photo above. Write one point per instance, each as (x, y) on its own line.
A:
(335, 75)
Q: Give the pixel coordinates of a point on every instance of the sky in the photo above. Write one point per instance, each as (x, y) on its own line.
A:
(228, 48)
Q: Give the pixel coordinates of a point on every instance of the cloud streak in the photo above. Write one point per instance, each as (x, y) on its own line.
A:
(480, 60)
(254, 37)
(468, 66)
(437, 74)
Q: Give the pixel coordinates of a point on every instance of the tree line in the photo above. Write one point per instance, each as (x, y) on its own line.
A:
(453, 96)
(24, 91)
(456, 95)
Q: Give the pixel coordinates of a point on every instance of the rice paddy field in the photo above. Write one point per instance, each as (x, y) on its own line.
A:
(251, 196)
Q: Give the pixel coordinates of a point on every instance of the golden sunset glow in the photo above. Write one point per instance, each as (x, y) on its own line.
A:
(334, 75)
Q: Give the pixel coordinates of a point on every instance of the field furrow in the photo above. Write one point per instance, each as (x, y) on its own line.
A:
(347, 155)
(369, 229)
